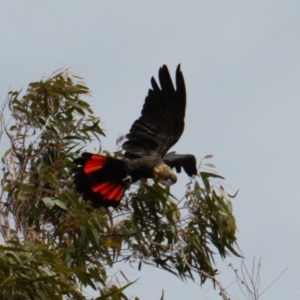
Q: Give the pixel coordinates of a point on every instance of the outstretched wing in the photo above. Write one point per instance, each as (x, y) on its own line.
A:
(162, 121)
(178, 161)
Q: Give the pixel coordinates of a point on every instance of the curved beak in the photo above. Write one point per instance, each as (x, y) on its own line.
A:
(169, 182)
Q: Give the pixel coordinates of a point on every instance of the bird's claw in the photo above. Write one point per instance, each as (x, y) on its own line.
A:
(127, 180)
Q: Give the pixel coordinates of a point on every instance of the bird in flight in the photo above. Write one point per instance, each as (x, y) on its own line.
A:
(104, 180)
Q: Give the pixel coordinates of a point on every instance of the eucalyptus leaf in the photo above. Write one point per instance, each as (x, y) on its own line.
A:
(48, 202)
(60, 204)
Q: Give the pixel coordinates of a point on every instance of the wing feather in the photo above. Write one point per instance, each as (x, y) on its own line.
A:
(162, 118)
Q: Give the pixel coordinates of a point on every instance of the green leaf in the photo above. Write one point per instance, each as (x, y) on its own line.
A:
(48, 202)
(162, 295)
(208, 174)
(60, 204)
(13, 128)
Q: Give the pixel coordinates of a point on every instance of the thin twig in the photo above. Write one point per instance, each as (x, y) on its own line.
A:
(252, 291)
(273, 282)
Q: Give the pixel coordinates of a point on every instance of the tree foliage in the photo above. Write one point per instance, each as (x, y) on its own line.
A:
(54, 244)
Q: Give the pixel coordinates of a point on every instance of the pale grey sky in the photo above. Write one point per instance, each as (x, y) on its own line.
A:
(241, 62)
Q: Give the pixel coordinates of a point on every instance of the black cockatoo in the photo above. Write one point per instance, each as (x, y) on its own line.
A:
(104, 180)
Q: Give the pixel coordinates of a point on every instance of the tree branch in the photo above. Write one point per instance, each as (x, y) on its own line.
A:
(213, 278)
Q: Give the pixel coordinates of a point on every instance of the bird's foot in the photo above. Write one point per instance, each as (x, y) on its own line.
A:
(127, 180)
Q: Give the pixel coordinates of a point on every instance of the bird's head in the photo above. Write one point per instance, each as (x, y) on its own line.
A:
(164, 175)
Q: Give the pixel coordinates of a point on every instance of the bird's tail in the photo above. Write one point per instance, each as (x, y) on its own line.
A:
(100, 179)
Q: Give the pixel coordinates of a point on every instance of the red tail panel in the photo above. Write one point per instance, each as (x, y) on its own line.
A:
(109, 191)
(95, 163)
(100, 179)
(118, 193)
